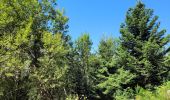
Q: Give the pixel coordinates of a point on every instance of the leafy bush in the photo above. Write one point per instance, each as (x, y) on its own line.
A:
(125, 94)
(161, 93)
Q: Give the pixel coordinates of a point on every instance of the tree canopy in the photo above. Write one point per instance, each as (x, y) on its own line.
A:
(40, 61)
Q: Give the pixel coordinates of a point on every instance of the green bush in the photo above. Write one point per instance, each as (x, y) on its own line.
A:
(161, 93)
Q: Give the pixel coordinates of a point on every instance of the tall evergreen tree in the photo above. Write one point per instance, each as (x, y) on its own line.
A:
(110, 77)
(144, 45)
(82, 66)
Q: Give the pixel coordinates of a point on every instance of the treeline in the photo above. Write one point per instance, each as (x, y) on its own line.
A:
(39, 61)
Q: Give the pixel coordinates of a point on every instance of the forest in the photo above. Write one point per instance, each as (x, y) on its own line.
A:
(40, 61)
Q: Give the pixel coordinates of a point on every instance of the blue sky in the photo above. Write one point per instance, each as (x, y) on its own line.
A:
(103, 17)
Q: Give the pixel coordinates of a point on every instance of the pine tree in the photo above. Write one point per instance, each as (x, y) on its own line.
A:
(167, 64)
(144, 45)
(81, 66)
(107, 48)
(110, 77)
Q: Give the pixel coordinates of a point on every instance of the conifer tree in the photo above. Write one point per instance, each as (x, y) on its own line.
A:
(144, 45)
(110, 77)
(82, 66)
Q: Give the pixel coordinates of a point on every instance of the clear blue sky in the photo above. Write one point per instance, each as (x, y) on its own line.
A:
(103, 17)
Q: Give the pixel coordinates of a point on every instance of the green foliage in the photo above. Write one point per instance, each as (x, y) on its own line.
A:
(48, 80)
(161, 93)
(14, 62)
(81, 67)
(72, 97)
(107, 48)
(33, 61)
(115, 81)
(124, 94)
(38, 60)
(111, 77)
(145, 46)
